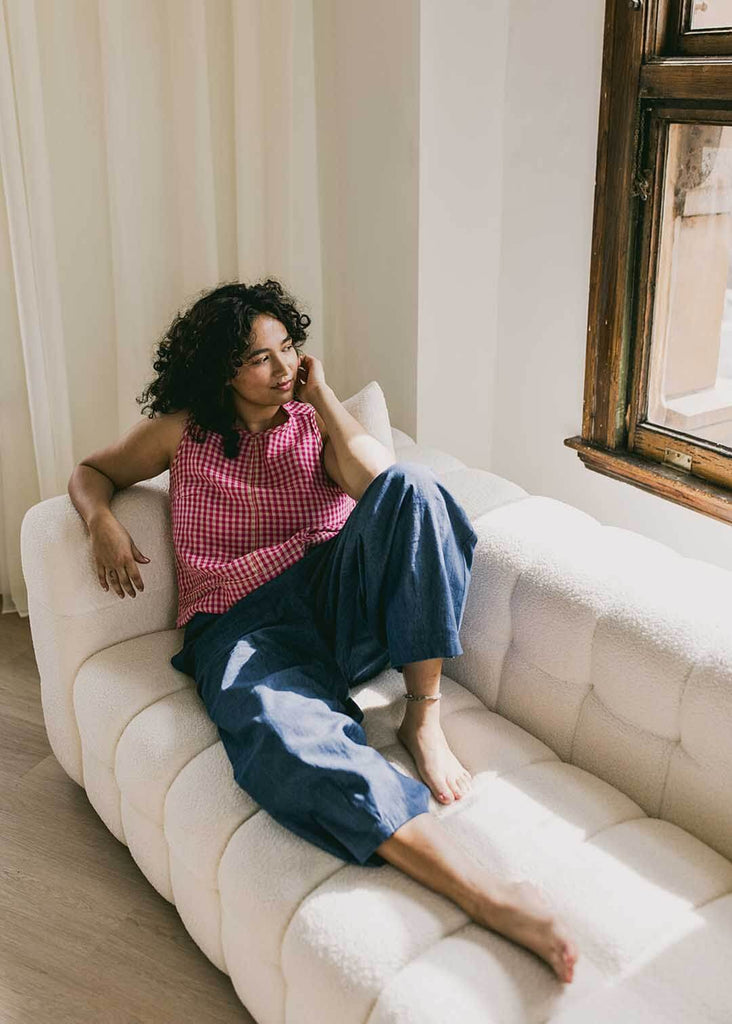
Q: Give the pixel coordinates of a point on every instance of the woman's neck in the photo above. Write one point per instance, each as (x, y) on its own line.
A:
(257, 423)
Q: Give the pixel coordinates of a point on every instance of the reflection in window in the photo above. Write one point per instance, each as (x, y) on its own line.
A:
(707, 14)
(690, 372)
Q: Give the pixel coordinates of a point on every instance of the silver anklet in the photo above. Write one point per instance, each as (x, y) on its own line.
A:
(410, 696)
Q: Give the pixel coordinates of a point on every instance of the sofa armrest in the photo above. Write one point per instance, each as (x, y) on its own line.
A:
(71, 616)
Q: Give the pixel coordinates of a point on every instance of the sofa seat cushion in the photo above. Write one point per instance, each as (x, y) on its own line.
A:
(306, 937)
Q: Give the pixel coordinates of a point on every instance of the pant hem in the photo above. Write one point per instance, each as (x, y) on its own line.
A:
(385, 830)
(445, 649)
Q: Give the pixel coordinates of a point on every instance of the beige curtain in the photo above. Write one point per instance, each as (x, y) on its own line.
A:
(150, 149)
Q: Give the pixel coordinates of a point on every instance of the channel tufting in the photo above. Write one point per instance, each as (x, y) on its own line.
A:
(126, 732)
(469, 705)
(189, 866)
(220, 962)
(447, 812)
(141, 711)
(509, 642)
(694, 905)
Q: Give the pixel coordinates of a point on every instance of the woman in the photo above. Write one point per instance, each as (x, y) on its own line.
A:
(307, 562)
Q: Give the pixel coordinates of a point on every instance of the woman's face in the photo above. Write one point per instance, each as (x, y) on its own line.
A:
(271, 360)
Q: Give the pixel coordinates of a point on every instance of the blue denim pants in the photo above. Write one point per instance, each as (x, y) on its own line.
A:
(274, 670)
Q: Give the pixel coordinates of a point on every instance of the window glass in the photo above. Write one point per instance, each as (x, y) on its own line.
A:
(707, 14)
(690, 370)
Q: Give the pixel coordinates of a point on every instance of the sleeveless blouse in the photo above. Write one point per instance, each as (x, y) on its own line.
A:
(239, 522)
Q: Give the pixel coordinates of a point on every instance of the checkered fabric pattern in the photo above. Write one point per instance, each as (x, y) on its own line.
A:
(239, 522)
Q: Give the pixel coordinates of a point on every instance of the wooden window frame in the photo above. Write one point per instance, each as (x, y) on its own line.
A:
(655, 71)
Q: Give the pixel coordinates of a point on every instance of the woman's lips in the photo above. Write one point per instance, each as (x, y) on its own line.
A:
(283, 387)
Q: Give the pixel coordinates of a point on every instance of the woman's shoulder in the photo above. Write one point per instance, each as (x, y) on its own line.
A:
(173, 427)
(305, 411)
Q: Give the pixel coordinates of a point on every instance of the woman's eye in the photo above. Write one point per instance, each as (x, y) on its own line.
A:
(262, 359)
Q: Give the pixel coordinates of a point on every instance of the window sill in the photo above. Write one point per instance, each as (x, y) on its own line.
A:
(663, 481)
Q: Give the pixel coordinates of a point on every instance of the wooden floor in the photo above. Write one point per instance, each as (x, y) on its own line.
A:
(84, 938)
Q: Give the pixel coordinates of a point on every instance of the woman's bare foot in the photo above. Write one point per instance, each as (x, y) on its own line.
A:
(519, 911)
(422, 735)
(426, 851)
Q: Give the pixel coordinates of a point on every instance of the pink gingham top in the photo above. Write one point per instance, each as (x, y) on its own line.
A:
(239, 522)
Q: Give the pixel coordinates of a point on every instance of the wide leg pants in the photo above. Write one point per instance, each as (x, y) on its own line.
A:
(274, 671)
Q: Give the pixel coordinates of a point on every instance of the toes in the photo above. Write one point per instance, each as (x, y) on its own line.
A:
(463, 784)
(459, 788)
(568, 951)
(455, 789)
(562, 970)
(565, 961)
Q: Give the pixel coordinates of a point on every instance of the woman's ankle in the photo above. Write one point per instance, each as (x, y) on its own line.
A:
(418, 713)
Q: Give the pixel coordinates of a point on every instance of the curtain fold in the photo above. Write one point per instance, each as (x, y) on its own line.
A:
(150, 150)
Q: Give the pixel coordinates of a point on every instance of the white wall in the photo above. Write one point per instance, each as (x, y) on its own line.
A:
(462, 73)
(457, 147)
(552, 95)
(367, 83)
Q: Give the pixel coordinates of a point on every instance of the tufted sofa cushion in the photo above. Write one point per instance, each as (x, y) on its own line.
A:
(613, 649)
(306, 937)
(592, 706)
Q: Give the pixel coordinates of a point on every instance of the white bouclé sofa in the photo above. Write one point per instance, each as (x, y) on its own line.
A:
(592, 705)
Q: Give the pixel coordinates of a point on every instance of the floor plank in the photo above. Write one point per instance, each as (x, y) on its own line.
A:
(85, 938)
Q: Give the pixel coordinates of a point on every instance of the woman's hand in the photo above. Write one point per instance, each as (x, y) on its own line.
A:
(116, 555)
(310, 378)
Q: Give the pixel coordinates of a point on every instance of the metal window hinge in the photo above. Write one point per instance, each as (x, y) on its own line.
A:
(641, 184)
(679, 460)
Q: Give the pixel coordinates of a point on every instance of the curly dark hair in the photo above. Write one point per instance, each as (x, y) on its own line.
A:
(203, 348)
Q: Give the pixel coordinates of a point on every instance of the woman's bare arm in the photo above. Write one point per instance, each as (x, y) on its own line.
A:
(352, 456)
(143, 452)
(91, 492)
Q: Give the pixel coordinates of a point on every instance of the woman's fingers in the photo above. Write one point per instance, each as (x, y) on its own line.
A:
(116, 556)
(139, 557)
(123, 581)
(127, 582)
(310, 376)
(114, 582)
(134, 574)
